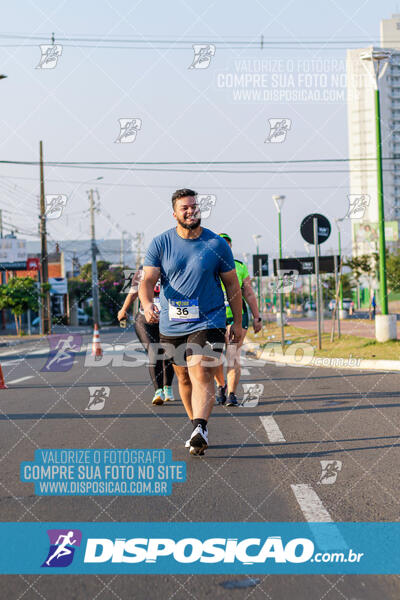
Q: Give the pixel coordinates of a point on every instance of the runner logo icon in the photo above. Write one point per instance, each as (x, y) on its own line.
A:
(330, 470)
(278, 130)
(251, 394)
(55, 204)
(358, 203)
(62, 349)
(98, 397)
(62, 547)
(50, 56)
(203, 54)
(128, 130)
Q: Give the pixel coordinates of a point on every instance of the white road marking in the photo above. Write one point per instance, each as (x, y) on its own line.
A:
(327, 537)
(9, 352)
(274, 434)
(310, 504)
(9, 363)
(19, 380)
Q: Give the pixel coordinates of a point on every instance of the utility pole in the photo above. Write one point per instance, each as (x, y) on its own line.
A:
(316, 244)
(44, 259)
(139, 238)
(95, 281)
(122, 251)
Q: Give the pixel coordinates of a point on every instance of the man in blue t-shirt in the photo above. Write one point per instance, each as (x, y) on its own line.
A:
(191, 261)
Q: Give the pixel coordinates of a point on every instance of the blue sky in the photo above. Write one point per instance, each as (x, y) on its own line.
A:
(186, 114)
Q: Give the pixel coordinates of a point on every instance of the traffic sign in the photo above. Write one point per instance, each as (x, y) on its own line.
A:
(32, 263)
(264, 265)
(306, 265)
(13, 266)
(307, 228)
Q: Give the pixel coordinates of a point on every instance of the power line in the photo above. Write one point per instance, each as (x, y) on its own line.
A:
(196, 162)
(258, 41)
(155, 166)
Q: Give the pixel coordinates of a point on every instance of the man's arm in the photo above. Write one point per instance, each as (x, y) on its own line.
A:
(251, 299)
(234, 296)
(131, 295)
(146, 293)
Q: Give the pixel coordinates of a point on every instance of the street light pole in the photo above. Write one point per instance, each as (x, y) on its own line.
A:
(95, 282)
(256, 237)
(44, 259)
(280, 233)
(278, 201)
(340, 270)
(258, 280)
(385, 327)
(381, 209)
(340, 307)
(308, 250)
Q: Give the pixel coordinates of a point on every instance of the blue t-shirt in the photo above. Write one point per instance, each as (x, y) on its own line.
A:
(190, 280)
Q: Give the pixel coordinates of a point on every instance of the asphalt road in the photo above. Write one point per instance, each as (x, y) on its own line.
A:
(257, 459)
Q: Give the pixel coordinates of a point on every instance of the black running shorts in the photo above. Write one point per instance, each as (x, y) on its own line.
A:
(206, 342)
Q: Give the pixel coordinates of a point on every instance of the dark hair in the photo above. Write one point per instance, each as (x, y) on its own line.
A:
(181, 194)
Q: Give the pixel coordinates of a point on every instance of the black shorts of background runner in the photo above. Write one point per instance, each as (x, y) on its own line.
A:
(161, 371)
(206, 342)
(245, 317)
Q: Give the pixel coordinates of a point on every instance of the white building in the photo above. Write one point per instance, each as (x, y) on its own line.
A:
(362, 137)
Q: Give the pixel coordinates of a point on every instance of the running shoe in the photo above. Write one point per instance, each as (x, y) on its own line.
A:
(158, 397)
(232, 400)
(198, 441)
(221, 394)
(168, 393)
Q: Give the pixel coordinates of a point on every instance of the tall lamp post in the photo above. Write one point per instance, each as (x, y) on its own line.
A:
(340, 262)
(256, 237)
(308, 250)
(278, 201)
(385, 325)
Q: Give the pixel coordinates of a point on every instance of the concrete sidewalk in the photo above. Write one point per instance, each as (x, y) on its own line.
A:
(357, 327)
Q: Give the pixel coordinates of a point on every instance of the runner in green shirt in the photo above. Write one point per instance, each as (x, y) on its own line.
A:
(226, 393)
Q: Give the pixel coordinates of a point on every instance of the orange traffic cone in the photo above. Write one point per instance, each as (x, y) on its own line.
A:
(2, 384)
(96, 347)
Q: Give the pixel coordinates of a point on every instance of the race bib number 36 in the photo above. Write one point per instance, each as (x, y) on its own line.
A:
(183, 310)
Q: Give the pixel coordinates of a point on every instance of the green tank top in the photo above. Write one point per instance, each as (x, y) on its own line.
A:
(242, 272)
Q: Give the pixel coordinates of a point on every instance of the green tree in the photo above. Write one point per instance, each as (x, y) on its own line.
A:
(346, 283)
(111, 281)
(393, 271)
(360, 266)
(19, 295)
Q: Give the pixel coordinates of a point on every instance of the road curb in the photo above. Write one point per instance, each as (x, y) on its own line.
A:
(298, 358)
(27, 339)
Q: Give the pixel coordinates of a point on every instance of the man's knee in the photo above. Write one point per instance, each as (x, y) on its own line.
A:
(185, 379)
(201, 373)
(182, 375)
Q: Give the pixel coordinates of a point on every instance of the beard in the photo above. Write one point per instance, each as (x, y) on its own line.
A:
(189, 226)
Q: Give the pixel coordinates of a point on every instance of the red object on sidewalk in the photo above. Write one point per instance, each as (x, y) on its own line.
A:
(96, 346)
(2, 384)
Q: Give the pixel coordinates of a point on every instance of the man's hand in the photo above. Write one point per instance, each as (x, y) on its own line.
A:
(122, 314)
(151, 313)
(235, 333)
(257, 325)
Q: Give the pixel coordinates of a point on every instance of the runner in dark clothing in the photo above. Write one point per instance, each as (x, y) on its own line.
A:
(161, 371)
